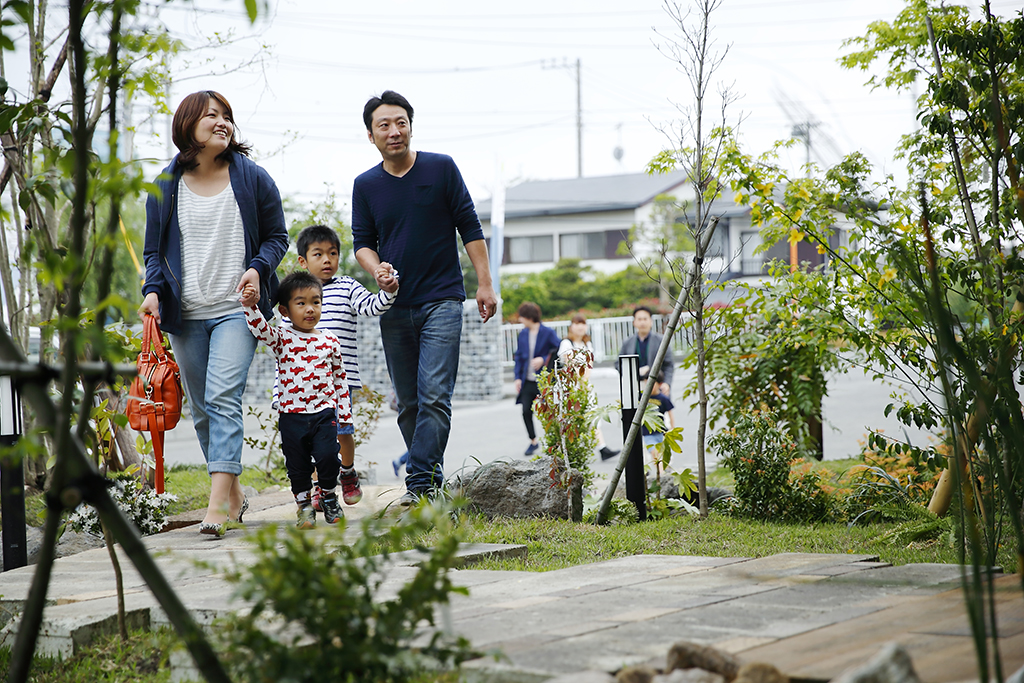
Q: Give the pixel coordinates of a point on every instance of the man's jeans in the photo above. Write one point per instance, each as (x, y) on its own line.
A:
(214, 357)
(421, 345)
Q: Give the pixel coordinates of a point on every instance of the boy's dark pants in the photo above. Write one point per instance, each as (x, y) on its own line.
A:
(310, 440)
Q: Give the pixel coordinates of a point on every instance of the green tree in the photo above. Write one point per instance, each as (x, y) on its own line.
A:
(919, 253)
(49, 152)
(669, 237)
(326, 212)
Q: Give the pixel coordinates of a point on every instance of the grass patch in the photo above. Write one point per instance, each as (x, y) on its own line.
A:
(556, 544)
(142, 659)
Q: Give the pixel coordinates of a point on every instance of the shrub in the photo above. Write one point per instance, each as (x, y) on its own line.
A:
(760, 450)
(144, 507)
(565, 407)
(319, 611)
(893, 481)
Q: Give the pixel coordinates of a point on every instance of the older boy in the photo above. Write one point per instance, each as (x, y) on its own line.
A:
(319, 249)
(314, 397)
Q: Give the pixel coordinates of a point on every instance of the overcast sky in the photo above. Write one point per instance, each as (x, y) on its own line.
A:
(493, 84)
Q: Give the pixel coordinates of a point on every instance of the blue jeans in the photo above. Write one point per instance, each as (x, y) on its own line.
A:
(421, 345)
(214, 357)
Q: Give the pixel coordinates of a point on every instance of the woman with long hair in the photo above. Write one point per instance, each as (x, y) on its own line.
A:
(215, 225)
(576, 348)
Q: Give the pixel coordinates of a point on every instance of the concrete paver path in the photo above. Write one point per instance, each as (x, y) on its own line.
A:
(811, 615)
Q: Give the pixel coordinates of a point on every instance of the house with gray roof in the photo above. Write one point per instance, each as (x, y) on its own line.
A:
(590, 218)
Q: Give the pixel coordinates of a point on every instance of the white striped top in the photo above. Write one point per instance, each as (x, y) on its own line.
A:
(212, 253)
(344, 299)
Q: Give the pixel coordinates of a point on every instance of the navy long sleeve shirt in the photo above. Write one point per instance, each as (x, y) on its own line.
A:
(411, 223)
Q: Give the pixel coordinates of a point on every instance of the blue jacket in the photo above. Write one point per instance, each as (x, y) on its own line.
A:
(266, 237)
(547, 343)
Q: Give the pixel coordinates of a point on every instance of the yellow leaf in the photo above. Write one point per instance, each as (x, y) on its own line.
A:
(797, 214)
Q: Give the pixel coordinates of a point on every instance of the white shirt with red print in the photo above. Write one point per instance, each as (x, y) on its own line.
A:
(310, 368)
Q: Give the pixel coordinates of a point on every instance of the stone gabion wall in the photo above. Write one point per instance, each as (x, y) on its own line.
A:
(480, 372)
(261, 379)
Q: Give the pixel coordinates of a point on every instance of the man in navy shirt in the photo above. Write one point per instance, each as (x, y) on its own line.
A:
(406, 212)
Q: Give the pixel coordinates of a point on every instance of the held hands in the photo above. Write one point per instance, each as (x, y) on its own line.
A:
(386, 277)
(249, 277)
(250, 295)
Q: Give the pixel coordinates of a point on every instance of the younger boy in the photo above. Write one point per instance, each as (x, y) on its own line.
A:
(319, 251)
(314, 398)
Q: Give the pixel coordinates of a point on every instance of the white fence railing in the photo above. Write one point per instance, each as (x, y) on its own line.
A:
(606, 334)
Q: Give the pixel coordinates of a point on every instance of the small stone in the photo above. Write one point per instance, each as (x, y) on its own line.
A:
(689, 676)
(636, 674)
(684, 655)
(892, 664)
(760, 672)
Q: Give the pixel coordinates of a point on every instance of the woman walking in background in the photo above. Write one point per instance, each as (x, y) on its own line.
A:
(215, 226)
(577, 342)
(536, 343)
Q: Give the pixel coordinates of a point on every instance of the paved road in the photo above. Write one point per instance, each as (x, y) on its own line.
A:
(487, 431)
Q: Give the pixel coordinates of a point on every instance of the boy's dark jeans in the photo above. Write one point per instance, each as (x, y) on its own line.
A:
(310, 441)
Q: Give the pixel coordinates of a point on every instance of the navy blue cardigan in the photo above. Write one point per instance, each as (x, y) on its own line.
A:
(547, 343)
(266, 236)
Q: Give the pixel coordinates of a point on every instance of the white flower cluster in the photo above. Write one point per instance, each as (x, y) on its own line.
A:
(144, 507)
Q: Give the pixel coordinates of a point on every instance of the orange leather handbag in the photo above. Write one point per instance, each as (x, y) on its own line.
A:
(155, 396)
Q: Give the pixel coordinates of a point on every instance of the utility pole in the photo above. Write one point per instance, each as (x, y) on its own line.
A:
(579, 121)
(579, 109)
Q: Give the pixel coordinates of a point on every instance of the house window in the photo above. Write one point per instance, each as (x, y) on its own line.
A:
(614, 238)
(531, 249)
(582, 245)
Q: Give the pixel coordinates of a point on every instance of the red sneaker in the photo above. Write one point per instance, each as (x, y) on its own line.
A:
(350, 491)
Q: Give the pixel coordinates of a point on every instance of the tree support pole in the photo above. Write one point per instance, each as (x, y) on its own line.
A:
(652, 380)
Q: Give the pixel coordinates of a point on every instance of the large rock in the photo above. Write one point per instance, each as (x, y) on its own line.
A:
(891, 665)
(522, 489)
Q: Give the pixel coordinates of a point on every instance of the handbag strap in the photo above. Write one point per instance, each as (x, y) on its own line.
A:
(153, 338)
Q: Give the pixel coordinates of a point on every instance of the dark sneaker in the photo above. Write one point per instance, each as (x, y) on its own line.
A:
(331, 509)
(315, 498)
(350, 491)
(607, 453)
(532, 448)
(306, 516)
